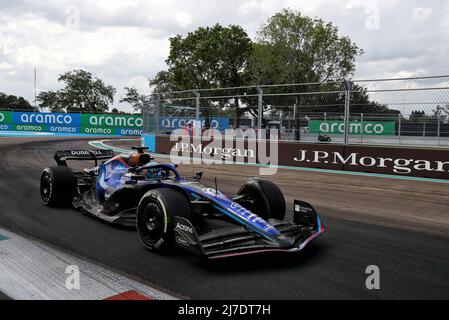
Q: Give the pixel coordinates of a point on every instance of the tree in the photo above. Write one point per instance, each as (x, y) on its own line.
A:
(417, 115)
(300, 49)
(134, 98)
(441, 112)
(82, 93)
(295, 49)
(208, 58)
(51, 100)
(11, 102)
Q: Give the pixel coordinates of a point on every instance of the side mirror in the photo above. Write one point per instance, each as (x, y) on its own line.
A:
(198, 175)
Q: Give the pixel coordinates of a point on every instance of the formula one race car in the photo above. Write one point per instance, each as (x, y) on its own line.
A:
(170, 210)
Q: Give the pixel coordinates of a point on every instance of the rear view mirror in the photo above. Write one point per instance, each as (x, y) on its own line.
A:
(198, 175)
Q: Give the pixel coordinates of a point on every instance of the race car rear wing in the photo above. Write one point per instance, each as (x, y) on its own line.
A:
(62, 156)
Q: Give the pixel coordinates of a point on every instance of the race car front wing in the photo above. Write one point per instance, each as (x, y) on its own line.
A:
(235, 240)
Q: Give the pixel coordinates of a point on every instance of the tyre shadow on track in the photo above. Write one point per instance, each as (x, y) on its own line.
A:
(312, 254)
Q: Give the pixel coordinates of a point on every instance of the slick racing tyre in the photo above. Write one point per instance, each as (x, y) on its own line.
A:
(155, 217)
(58, 186)
(263, 198)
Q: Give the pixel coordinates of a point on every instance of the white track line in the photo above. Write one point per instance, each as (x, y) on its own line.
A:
(30, 270)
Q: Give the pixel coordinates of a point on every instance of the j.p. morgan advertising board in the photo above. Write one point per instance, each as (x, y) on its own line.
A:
(397, 161)
(426, 163)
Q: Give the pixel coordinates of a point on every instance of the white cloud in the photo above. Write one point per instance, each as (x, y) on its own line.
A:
(421, 13)
(248, 7)
(183, 19)
(125, 42)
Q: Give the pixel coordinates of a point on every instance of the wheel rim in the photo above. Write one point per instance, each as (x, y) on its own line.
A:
(152, 223)
(45, 188)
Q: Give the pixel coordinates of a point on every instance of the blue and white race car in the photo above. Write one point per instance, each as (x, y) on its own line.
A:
(172, 211)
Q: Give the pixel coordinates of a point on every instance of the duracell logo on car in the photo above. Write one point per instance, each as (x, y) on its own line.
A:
(398, 165)
(84, 152)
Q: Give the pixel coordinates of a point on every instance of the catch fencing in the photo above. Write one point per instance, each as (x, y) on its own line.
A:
(406, 111)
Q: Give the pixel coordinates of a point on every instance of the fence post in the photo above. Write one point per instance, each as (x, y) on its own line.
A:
(294, 123)
(348, 87)
(259, 107)
(197, 106)
(164, 114)
(145, 115)
(280, 123)
(362, 131)
(399, 127)
(438, 128)
(158, 112)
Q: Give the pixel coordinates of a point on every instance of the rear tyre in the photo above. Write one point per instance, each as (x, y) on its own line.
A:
(263, 198)
(155, 218)
(58, 186)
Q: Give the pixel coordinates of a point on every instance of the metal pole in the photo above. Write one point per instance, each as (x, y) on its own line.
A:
(280, 122)
(259, 107)
(361, 127)
(197, 107)
(158, 111)
(438, 128)
(399, 129)
(348, 86)
(164, 119)
(35, 90)
(145, 115)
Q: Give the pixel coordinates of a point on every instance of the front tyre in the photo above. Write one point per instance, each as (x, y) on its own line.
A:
(155, 217)
(58, 186)
(263, 198)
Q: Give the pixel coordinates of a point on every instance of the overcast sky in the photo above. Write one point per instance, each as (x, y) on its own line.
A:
(125, 42)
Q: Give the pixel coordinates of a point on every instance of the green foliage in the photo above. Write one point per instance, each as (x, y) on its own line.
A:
(133, 97)
(10, 102)
(291, 48)
(300, 49)
(82, 93)
(51, 100)
(209, 57)
(417, 115)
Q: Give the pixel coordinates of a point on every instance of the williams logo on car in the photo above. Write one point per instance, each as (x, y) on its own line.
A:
(185, 234)
(182, 241)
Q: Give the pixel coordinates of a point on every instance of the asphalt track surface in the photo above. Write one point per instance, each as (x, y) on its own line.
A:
(3, 297)
(400, 226)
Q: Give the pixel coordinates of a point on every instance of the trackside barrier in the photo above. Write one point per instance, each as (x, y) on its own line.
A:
(411, 162)
(71, 123)
(102, 124)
